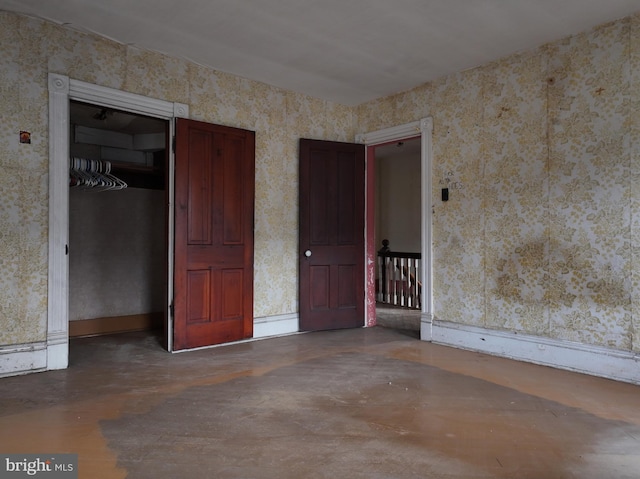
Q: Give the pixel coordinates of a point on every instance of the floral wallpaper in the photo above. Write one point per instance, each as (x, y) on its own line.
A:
(631, 129)
(541, 233)
(31, 48)
(23, 189)
(589, 199)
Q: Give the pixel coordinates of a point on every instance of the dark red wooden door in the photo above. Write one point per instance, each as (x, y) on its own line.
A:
(214, 195)
(331, 238)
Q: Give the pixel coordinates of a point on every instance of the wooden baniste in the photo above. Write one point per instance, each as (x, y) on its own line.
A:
(397, 278)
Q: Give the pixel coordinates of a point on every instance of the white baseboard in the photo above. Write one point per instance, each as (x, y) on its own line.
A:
(593, 360)
(426, 321)
(275, 325)
(22, 358)
(265, 327)
(57, 350)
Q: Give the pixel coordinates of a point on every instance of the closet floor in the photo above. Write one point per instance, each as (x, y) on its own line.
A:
(363, 403)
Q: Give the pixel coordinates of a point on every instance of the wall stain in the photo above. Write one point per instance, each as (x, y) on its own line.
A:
(576, 276)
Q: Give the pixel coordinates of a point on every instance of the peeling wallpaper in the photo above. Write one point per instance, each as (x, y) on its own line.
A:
(540, 236)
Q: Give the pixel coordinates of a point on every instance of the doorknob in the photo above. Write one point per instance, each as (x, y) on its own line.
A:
(307, 253)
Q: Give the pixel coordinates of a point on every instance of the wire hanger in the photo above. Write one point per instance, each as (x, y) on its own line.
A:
(93, 174)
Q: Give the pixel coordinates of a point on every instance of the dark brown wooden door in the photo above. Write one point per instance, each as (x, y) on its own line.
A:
(214, 194)
(331, 239)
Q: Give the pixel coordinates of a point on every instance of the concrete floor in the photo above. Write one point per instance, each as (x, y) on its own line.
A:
(364, 403)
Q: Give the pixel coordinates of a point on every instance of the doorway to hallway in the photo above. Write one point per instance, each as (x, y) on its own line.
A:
(398, 213)
(421, 129)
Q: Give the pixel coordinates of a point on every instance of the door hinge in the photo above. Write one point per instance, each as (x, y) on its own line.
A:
(171, 309)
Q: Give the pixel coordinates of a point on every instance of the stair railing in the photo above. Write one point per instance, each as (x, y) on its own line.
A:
(397, 279)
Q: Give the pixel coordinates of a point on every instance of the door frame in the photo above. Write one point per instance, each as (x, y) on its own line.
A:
(62, 90)
(424, 129)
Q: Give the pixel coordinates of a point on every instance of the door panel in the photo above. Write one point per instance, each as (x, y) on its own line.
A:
(347, 293)
(332, 278)
(213, 279)
(319, 278)
(232, 294)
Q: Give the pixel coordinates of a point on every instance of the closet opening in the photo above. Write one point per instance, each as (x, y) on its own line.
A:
(118, 221)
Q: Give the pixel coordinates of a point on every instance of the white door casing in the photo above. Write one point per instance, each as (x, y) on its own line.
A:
(62, 89)
(424, 129)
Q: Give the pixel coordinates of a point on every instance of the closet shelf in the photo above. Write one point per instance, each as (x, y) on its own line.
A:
(135, 168)
(140, 176)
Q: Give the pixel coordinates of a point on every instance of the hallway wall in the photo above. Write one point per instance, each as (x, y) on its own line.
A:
(31, 48)
(398, 202)
(541, 231)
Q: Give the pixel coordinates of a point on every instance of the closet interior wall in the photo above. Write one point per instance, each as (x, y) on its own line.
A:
(117, 238)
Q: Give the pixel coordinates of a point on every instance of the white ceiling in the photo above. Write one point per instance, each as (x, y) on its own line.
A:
(348, 51)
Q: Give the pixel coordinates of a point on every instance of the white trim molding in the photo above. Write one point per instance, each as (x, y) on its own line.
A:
(131, 102)
(23, 358)
(62, 89)
(394, 133)
(577, 357)
(426, 322)
(58, 296)
(424, 129)
(278, 325)
(263, 328)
